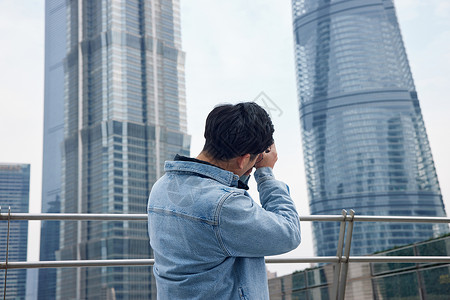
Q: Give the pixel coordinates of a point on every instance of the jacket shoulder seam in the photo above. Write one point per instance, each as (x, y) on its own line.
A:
(178, 214)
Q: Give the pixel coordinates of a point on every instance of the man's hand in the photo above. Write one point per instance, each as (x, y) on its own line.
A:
(269, 159)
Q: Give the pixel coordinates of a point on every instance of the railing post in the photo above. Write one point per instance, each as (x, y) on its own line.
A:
(6, 258)
(340, 246)
(348, 243)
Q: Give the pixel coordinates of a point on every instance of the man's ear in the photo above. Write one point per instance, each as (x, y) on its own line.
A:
(242, 161)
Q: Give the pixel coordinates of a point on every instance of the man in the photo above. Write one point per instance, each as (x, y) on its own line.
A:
(208, 236)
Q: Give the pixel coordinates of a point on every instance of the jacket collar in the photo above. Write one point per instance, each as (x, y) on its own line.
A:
(204, 169)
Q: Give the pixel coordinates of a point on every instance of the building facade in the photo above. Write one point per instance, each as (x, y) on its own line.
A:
(364, 140)
(14, 195)
(374, 280)
(123, 114)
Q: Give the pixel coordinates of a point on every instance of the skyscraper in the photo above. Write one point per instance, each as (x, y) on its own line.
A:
(14, 194)
(55, 53)
(364, 139)
(116, 71)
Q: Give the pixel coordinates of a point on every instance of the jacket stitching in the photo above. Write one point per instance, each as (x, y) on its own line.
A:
(217, 220)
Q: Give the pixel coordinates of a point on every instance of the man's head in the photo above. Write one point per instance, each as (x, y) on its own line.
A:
(235, 130)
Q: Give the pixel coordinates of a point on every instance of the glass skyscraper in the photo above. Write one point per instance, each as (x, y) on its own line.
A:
(115, 110)
(14, 194)
(55, 53)
(364, 140)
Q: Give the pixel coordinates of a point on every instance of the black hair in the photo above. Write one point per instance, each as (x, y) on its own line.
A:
(235, 130)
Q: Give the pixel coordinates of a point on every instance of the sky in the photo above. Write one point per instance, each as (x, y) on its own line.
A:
(234, 51)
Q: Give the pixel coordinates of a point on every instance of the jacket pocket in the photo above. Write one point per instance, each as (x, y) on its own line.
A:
(242, 295)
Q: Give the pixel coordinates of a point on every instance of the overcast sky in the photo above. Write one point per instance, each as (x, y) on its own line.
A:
(235, 50)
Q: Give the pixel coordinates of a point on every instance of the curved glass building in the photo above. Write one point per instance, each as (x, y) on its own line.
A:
(364, 139)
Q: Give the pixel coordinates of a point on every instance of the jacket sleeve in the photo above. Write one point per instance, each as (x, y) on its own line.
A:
(249, 230)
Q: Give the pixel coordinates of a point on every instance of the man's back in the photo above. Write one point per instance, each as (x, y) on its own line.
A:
(194, 224)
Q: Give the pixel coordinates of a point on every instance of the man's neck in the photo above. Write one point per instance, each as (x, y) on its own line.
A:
(226, 165)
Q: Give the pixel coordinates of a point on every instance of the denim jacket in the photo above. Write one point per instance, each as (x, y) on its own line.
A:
(209, 237)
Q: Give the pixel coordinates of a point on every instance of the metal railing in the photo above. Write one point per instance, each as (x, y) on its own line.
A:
(341, 260)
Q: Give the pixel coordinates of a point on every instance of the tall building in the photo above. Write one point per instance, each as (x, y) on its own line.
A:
(14, 194)
(55, 53)
(115, 110)
(364, 140)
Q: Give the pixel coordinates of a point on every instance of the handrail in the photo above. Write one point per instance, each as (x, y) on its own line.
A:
(143, 217)
(401, 219)
(150, 262)
(75, 217)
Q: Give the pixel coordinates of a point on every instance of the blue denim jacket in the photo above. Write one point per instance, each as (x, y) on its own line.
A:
(209, 237)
